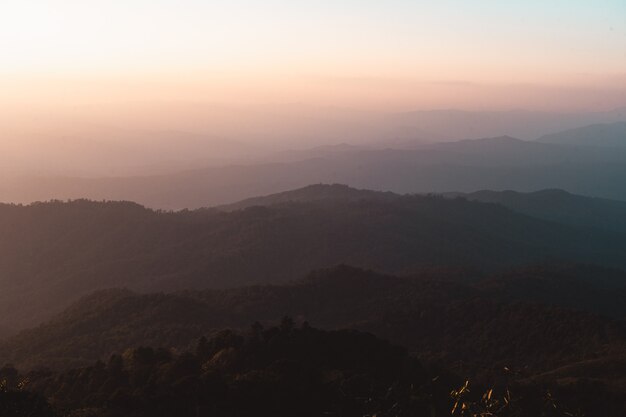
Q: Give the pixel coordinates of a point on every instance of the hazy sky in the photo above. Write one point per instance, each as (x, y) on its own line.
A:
(396, 54)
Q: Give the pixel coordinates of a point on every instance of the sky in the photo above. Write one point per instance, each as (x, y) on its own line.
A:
(88, 85)
(393, 54)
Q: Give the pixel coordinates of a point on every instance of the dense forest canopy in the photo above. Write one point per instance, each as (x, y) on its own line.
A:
(291, 369)
(473, 327)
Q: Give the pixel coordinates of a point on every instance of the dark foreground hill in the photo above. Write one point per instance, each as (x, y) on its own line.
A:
(536, 330)
(289, 370)
(534, 319)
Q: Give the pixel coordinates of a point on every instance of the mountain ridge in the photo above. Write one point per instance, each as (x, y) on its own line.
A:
(493, 163)
(601, 134)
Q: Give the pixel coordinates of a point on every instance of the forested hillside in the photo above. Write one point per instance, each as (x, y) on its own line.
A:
(560, 206)
(53, 253)
(531, 319)
(453, 288)
(291, 369)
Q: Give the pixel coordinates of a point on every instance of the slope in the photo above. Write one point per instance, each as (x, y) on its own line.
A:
(52, 253)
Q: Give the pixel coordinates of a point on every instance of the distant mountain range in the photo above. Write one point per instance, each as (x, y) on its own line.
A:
(53, 253)
(528, 125)
(604, 135)
(560, 161)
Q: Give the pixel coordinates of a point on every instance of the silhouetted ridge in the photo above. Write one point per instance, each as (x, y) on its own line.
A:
(604, 135)
(560, 206)
(491, 144)
(494, 140)
(590, 161)
(326, 193)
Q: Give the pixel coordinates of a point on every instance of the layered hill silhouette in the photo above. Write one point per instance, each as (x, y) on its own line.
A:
(53, 253)
(612, 135)
(565, 161)
(553, 205)
(316, 193)
(559, 206)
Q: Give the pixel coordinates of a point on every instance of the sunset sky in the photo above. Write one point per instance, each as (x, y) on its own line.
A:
(395, 54)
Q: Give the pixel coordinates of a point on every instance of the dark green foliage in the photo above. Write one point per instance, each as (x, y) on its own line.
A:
(289, 370)
(281, 371)
(16, 400)
(24, 404)
(292, 369)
